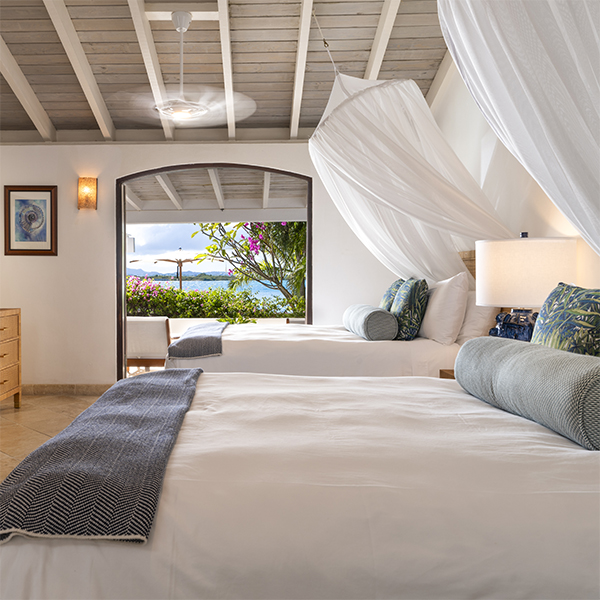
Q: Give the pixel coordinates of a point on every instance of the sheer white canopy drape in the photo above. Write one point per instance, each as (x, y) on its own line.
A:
(533, 67)
(397, 182)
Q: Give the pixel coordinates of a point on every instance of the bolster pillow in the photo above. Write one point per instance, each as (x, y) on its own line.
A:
(370, 322)
(558, 389)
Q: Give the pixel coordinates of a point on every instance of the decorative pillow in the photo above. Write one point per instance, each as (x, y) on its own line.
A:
(557, 389)
(478, 320)
(445, 309)
(390, 294)
(370, 322)
(570, 320)
(409, 307)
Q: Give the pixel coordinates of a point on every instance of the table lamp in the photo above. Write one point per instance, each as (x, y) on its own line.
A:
(521, 273)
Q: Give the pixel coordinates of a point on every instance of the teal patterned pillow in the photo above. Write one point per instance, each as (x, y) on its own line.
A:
(570, 320)
(409, 307)
(390, 294)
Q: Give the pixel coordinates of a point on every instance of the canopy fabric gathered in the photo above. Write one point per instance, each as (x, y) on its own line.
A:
(533, 68)
(396, 181)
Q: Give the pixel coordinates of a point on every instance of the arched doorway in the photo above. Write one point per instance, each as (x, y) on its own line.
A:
(207, 192)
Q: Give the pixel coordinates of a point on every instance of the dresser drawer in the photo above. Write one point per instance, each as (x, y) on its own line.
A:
(9, 379)
(9, 353)
(9, 327)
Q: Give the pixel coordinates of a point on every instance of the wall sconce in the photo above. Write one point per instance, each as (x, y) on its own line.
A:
(87, 193)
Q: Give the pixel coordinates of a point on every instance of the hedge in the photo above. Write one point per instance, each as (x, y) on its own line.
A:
(145, 298)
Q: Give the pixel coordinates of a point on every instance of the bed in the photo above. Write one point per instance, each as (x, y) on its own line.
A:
(451, 318)
(298, 349)
(312, 487)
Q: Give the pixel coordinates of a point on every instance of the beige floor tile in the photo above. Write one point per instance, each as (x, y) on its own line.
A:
(17, 441)
(43, 420)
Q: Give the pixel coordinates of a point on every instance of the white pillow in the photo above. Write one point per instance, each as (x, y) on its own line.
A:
(478, 320)
(445, 310)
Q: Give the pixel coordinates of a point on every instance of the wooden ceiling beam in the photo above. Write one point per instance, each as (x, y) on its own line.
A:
(167, 185)
(133, 200)
(227, 65)
(24, 92)
(266, 189)
(382, 38)
(216, 183)
(65, 29)
(150, 56)
(301, 56)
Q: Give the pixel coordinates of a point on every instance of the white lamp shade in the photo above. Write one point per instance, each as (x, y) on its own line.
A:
(521, 273)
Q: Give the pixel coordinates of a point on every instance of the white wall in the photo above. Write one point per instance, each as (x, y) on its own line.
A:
(68, 302)
(500, 175)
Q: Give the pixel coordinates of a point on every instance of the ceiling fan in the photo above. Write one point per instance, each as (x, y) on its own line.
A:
(210, 107)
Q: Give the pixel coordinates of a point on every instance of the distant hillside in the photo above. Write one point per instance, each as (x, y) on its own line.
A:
(209, 275)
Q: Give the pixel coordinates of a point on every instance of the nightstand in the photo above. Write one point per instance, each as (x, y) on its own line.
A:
(446, 373)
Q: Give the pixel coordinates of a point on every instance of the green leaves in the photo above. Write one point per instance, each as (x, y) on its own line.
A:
(146, 298)
(273, 254)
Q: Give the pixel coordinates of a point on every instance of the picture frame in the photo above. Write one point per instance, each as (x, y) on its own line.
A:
(31, 220)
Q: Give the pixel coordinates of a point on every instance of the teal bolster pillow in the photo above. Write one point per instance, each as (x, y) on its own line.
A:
(570, 320)
(370, 322)
(409, 307)
(390, 294)
(557, 389)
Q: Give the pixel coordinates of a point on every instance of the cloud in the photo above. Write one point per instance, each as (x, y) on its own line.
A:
(168, 241)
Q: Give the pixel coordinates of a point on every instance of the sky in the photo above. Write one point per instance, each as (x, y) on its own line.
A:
(154, 242)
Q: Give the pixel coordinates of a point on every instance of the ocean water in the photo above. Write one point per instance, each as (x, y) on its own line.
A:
(256, 288)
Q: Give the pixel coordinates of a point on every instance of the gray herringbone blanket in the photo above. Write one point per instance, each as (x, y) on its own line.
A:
(203, 339)
(101, 477)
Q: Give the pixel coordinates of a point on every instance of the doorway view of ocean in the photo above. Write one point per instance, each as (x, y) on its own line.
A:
(256, 288)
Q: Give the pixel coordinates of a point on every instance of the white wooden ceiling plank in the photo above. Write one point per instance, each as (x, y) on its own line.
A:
(266, 189)
(150, 56)
(65, 29)
(24, 92)
(227, 65)
(301, 56)
(170, 190)
(382, 38)
(200, 11)
(133, 200)
(216, 183)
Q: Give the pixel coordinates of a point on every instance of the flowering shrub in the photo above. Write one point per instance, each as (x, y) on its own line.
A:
(148, 299)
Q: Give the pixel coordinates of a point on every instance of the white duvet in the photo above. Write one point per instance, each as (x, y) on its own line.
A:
(320, 350)
(297, 487)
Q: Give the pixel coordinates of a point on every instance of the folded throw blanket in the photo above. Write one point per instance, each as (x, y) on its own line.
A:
(101, 477)
(199, 340)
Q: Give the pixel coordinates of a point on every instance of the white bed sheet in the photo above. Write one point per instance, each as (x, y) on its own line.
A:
(296, 487)
(320, 350)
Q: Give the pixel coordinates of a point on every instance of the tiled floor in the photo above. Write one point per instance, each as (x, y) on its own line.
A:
(23, 429)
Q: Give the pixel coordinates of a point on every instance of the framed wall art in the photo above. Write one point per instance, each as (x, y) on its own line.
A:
(30, 220)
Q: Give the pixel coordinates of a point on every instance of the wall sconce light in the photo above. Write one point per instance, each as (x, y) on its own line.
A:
(87, 193)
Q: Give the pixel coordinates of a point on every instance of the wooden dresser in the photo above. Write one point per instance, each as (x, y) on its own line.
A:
(10, 354)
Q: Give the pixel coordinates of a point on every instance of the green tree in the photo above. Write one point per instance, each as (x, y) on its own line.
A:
(274, 254)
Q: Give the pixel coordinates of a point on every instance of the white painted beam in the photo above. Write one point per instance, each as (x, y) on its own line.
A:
(382, 38)
(216, 183)
(70, 40)
(165, 184)
(266, 189)
(133, 199)
(24, 92)
(150, 56)
(227, 65)
(200, 11)
(236, 215)
(301, 54)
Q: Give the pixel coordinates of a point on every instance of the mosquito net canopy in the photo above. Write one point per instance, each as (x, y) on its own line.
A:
(396, 181)
(533, 67)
